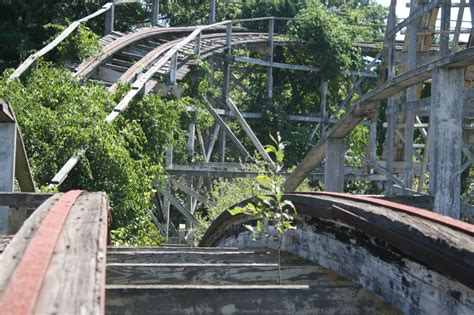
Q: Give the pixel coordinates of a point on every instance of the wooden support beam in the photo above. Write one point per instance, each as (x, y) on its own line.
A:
(212, 11)
(445, 26)
(225, 128)
(323, 92)
(185, 212)
(109, 20)
(212, 142)
(410, 97)
(191, 133)
(271, 32)
(223, 146)
(372, 149)
(7, 159)
(334, 165)
(173, 69)
(389, 46)
(197, 45)
(227, 62)
(457, 29)
(169, 155)
(225, 171)
(445, 151)
(155, 13)
(246, 127)
(274, 64)
(190, 192)
(201, 142)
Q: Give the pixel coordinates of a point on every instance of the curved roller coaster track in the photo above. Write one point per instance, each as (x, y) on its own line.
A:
(404, 251)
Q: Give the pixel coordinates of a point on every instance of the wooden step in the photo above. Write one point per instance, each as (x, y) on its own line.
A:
(190, 256)
(236, 299)
(221, 273)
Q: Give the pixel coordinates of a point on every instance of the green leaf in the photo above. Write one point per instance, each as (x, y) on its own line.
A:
(264, 180)
(236, 211)
(259, 226)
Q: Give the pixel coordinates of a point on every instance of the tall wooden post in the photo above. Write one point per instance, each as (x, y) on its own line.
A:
(223, 144)
(390, 116)
(212, 11)
(445, 151)
(271, 33)
(225, 86)
(173, 69)
(155, 12)
(334, 165)
(411, 97)
(197, 45)
(109, 20)
(445, 26)
(323, 92)
(7, 159)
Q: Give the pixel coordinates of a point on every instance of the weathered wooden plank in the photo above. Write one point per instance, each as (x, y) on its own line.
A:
(7, 166)
(334, 167)
(14, 251)
(22, 166)
(27, 200)
(75, 279)
(220, 274)
(274, 299)
(61, 37)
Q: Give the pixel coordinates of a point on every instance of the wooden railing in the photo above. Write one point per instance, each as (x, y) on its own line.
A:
(109, 8)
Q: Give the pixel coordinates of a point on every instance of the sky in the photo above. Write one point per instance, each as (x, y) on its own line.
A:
(403, 12)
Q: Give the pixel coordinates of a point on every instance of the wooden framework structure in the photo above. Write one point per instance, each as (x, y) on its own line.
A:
(144, 56)
(56, 261)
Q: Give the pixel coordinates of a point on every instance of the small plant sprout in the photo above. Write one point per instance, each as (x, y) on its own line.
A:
(269, 205)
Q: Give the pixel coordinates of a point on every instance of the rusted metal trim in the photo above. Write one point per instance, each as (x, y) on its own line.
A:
(422, 213)
(25, 284)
